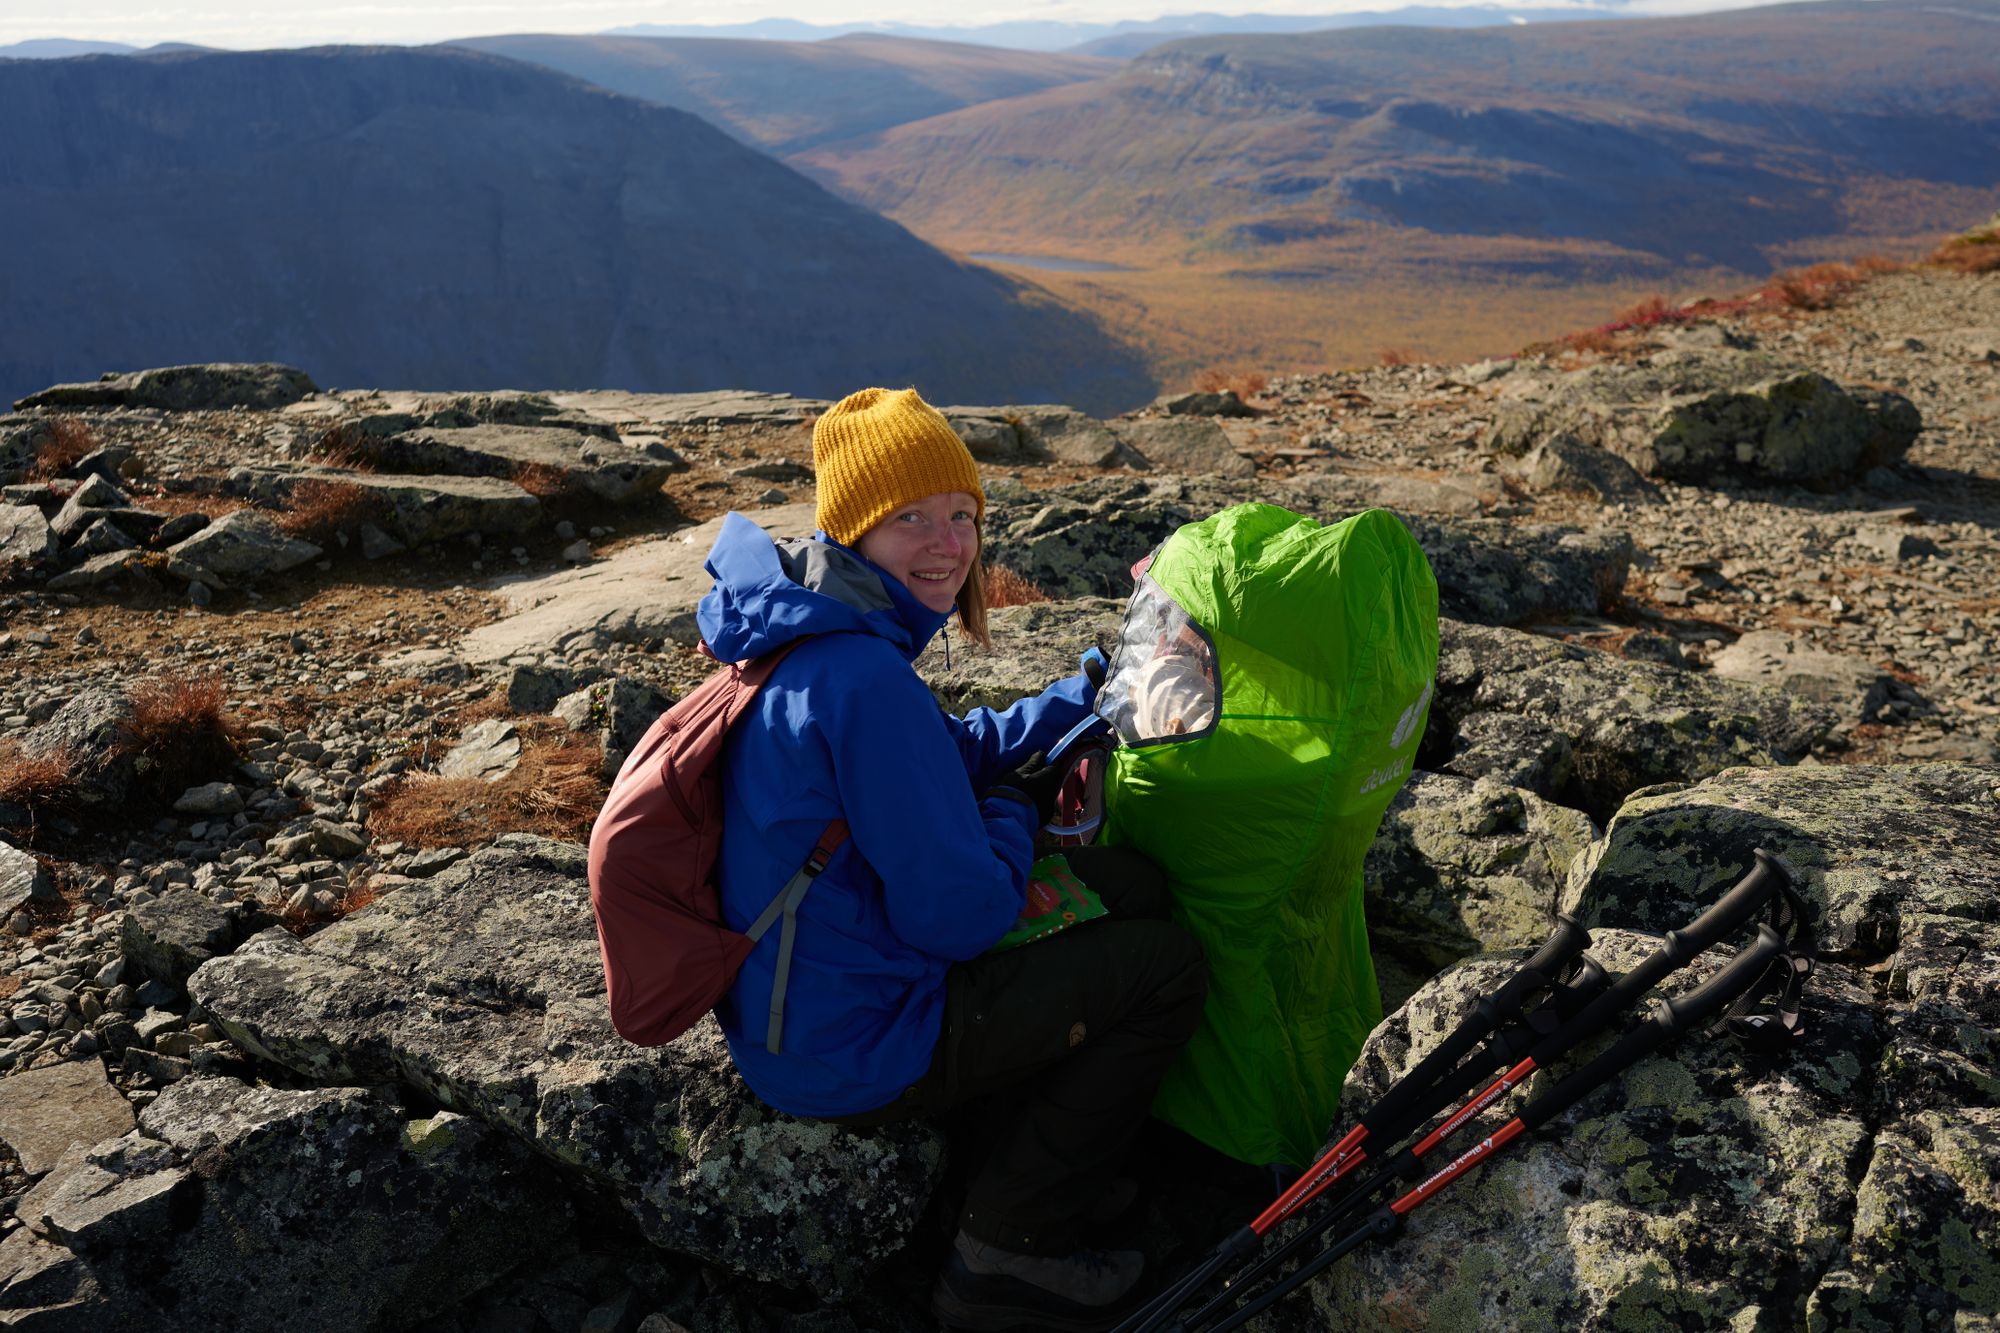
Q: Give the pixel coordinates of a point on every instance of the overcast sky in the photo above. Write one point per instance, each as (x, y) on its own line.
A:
(248, 24)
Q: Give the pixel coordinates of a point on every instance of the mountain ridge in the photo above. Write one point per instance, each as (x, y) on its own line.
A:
(452, 218)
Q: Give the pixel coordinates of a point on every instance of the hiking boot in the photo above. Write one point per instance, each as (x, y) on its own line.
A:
(985, 1288)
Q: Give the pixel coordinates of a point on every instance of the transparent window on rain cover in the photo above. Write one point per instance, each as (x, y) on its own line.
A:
(1162, 682)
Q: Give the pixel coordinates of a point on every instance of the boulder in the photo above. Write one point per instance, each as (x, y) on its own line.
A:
(1068, 436)
(1706, 1187)
(1191, 445)
(989, 433)
(646, 593)
(84, 507)
(1876, 845)
(210, 798)
(537, 689)
(1846, 1183)
(99, 570)
(1462, 867)
(587, 460)
(615, 713)
(243, 544)
(1564, 463)
(722, 407)
(1707, 415)
(1627, 724)
(488, 750)
(1852, 688)
(1204, 404)
(504, 407)
(411, 509)
(168, 937)
(482, 988)
(43, 1111)
(22, 878)
(92, 733)
(101, 537)
(243, 1208)
(25, 536)
(200, 388)
(1500, 572)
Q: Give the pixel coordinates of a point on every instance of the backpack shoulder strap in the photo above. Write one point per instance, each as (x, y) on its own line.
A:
(748, 678)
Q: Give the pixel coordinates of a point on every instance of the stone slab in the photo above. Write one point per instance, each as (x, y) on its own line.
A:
(45, 1110)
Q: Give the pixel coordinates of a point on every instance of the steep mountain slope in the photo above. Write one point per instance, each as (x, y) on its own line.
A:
(1302, 201)
(790, 96)
(442, 218)
(1697, 141)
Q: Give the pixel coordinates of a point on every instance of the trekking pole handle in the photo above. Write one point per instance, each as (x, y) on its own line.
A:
(1729, 913)
(1731, 910)
(1568, 940)
(1670, 1019)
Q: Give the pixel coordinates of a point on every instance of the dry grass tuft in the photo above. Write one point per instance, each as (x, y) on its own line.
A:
(1820, 287)
(1398, 356)
(1974, 252)
(343, 445)
(181, 733)
(556, 791)
(1244, 384)
(545, 481)
(318, 508)
(69, 440)
(1006, 588)
(44, 785)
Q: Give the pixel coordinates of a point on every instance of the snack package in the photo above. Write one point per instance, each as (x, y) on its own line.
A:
(1057, 900)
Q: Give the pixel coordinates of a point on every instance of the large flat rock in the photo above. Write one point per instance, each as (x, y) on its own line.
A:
(483, 988)
(1587, 729)
(184, 388)
(1848, 1182)
(605, 468)
(1708, 415)
(241, 1208)
(44, 1111)
(726, 407)
(1462, 867)
(646, 592)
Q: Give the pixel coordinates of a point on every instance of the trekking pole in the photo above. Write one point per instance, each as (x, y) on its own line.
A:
(1386, 1119)
(1750, 894)
(1671, 1018)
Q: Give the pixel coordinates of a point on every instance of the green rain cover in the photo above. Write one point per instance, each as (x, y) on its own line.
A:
(1319, 644)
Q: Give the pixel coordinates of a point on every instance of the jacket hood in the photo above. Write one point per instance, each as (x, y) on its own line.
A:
(768, 593)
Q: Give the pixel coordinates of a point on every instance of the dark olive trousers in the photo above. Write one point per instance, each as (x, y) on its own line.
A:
(1075, 1032)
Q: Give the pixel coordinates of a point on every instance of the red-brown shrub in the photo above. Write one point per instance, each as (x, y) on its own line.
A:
(555, 790)
(68, 440)
(182, 733)
(1006, 588)
(318, 507)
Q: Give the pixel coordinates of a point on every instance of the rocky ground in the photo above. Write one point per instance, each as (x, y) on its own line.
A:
(1764, 538)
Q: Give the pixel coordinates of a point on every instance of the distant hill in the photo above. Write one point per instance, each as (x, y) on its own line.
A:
(1110, 38)
(1711, 140)
(441, 218)
(1131, 39)
(791, 96)
(61, 48)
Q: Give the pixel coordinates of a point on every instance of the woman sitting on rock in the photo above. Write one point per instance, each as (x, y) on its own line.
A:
(892, 1006)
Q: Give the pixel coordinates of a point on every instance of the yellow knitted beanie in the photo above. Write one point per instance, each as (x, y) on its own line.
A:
(878, 450)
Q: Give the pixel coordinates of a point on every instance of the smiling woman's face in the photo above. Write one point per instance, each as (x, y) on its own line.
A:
(929, 545)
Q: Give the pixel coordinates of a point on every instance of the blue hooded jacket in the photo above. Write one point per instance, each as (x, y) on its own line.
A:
(931, 873)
